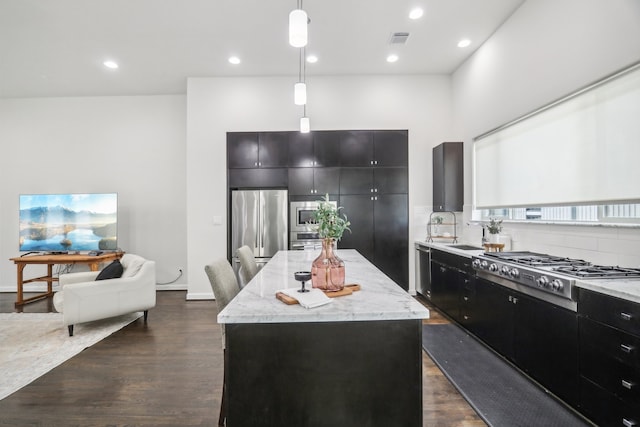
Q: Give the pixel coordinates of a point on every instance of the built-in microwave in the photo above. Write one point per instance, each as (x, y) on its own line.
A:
(303, 234)
(302, 215)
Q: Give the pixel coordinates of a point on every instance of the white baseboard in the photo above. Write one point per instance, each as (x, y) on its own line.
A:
(192, 296)
(43, 288)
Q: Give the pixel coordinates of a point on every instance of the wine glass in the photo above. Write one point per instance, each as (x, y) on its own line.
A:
(302, 276)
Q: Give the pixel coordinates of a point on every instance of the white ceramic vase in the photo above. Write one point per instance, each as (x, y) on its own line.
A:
(494, 238)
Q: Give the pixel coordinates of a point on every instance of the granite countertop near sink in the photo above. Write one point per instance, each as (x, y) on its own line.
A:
(455, 248)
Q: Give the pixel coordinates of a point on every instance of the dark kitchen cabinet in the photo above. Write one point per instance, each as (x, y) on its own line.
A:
(314, 149)
(452, 289)
(609, 336)
(379, 231)
(257, 149)
(448, 177)
(518, 327)
(374, 148)
(313, 181)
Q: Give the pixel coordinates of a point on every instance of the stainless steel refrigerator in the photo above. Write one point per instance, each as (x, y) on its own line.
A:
(259, 220)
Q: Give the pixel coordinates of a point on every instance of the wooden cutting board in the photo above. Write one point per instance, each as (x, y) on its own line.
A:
(347, 290)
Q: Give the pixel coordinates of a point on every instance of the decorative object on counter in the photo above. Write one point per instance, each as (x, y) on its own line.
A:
(302, 276)
(436, 227)
(437, 221)
(494, 227)
(327, 270)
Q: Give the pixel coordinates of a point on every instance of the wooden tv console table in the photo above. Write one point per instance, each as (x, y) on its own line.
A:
(21, 262)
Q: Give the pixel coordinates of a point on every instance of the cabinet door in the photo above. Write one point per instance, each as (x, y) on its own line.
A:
(300, 181)
(326, 148)
(326, 180)
(359, 211)
(494, 316)
(448, 177)
(301, 150)
(356, 181)
(242, 150)
(390, 180)
(258, 178)
(391, 237)
(547, 354)
(445, 289)
(273, 149)
(391, 147)
(438, 178)
(467, 301)
(356, 148)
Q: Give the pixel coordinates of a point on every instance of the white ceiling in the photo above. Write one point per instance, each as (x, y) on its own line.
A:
(57, 47)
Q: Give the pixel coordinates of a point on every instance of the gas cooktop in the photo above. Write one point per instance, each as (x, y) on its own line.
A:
(599, 272)
(535, 259)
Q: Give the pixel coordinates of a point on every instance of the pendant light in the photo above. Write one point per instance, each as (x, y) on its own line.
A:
(305, 125)
(298, 26)
(300, 88)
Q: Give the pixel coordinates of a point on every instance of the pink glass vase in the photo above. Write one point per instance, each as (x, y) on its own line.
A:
(327, 271)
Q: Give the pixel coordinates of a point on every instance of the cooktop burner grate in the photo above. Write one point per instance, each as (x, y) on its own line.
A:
(535, 260)
(599, 272)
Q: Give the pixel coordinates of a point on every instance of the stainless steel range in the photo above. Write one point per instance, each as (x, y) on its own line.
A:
(547, 277)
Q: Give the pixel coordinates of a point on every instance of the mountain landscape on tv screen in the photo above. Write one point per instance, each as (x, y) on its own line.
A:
(58, 228)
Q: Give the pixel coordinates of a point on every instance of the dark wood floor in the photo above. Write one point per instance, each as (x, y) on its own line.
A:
(167, 373)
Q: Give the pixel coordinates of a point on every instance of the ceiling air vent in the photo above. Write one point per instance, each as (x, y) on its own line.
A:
(398, 38)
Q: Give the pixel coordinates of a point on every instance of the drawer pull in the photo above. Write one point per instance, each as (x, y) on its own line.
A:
(466, 317)
(466, 298)
(626, 316)
(626, 348)
(628, 423)
(627, 384)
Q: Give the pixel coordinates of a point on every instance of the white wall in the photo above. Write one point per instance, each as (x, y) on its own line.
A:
(545, 50)
(134, 146)
(420, 104)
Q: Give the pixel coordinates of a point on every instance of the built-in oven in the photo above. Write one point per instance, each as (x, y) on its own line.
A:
(302, 233)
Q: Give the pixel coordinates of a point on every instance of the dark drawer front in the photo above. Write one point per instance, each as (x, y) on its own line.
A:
(605, 409)
(610, 342)
(457, 261)
(614, 376)
(616, 312)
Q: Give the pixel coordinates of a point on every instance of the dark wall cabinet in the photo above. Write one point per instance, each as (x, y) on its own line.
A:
(609, 359)
(366, 169)
(448, 177)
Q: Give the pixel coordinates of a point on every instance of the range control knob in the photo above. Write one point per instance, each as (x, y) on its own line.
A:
(475, 263)
(493, 267)
(557, 285)
(543, 282)
(514, 273)
(484, 265)
(504, 270)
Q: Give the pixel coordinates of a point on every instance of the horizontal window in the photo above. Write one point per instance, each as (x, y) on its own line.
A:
(593, 214)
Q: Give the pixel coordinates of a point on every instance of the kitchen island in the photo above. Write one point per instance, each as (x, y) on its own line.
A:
(355, 361)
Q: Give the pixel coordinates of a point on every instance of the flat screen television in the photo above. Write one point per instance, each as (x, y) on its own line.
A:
(68, 222)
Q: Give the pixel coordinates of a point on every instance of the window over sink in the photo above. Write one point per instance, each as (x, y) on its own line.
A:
(591, 214)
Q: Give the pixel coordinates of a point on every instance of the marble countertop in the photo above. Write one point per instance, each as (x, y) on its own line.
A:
(627, 289)
(451, 247)
(379, 298)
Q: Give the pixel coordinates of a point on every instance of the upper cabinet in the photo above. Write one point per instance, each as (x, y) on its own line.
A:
(314, 149)
(374, 148)
(448, 177)
(257, 149)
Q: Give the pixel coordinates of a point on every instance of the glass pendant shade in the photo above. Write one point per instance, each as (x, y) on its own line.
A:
(298, 28)
(300, 93)
(305, 126)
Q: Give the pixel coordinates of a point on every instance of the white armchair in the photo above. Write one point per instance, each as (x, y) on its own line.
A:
(83, 299)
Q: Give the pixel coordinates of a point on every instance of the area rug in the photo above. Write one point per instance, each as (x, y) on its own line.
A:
(31, 344)
(500, 394)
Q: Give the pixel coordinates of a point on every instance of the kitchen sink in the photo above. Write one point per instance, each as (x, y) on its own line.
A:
(466, 247)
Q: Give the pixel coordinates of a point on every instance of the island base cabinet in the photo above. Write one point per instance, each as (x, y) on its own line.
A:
(365, 373)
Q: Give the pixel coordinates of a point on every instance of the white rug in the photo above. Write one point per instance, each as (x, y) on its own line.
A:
(31, 344)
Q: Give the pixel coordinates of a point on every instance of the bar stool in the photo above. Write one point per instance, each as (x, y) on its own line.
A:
(248, 266)
(225, 288)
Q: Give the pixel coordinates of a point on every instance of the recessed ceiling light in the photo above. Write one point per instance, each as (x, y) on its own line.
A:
(416, 13)
(234, 60)
(392, 58)
(464, 43)
(312, 59)
(110, 64)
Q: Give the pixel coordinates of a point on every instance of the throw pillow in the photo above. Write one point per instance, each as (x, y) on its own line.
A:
(111, 271)
(132, 264)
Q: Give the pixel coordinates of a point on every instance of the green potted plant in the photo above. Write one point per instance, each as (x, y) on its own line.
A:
(494, 227)
(327, 270)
